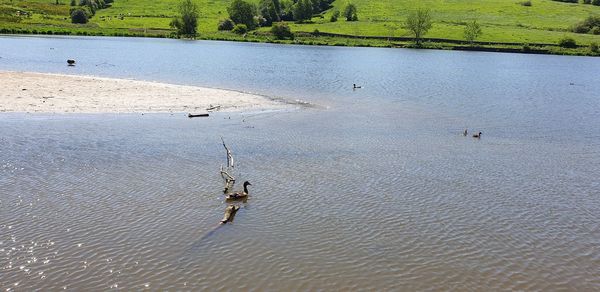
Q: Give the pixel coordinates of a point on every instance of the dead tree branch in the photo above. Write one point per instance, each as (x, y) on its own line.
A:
(226, 172)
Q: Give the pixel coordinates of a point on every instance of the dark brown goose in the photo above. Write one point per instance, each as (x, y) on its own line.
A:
(239, 195)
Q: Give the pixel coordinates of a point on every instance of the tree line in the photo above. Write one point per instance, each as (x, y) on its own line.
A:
(83, 10)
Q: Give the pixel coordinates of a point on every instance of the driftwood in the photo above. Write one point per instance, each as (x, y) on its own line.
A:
(190, 115)
(228, 178)
(229, 214)
(213, 108)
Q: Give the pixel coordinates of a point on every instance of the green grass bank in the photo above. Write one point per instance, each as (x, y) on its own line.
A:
(507, 25)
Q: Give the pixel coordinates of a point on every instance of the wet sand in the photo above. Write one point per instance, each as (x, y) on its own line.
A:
(57, 93)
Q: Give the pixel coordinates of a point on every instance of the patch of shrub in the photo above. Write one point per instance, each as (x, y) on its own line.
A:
(526, 3)
(526, 48)
(350, 12)
(226, 24)
(596, 2)
(282, 31)
(240, 28)
(567, 42)
(596, 30)
(79, 16)
(334, 16)
(594, 48)
(587, 25)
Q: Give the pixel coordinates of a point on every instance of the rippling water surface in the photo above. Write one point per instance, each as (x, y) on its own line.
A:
(374, 189)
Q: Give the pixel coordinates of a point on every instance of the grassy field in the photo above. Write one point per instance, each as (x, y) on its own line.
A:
(504, 21)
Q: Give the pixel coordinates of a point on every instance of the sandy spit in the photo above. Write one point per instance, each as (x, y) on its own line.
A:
(56, 93)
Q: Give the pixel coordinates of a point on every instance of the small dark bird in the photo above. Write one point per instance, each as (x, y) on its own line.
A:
(71, 62)
(239, 195)
(465, 133)
(478, 135)
(356, 87)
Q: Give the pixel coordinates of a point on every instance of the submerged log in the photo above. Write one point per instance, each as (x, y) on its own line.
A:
(229, 214)
(196, 115)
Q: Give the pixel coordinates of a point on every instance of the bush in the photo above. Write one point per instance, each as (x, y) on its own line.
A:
(79, 16)
(596, 2)
(226, 24)
(334, 16)
(567, 42)
(240, 29)
(587, 25)
(580, 28)
(282, 31)
(526, 3)
(594, 48)
(73, 3)
(350, 12)
(596, 30)
(526, 48)
(472, 31)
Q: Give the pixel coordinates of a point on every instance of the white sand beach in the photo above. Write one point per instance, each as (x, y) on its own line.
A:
(57, 93)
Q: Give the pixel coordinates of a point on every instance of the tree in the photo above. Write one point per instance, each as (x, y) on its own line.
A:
(242, 12)
(270, 10)
(419, 22)
(350, 12)
(187, 22)
(472, 31)
(303, 10)
(79, 16)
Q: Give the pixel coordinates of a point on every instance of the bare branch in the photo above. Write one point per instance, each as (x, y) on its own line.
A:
(229, 155)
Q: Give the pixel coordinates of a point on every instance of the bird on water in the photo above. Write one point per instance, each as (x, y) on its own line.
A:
(239, 195)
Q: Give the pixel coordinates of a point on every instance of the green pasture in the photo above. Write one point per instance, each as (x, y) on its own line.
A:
(505, 21)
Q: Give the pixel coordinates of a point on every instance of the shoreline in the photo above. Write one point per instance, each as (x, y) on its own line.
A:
(340, 40)
(32, 92)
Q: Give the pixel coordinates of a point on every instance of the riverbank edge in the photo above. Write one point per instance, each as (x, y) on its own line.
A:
(340, 40)
(38, 92)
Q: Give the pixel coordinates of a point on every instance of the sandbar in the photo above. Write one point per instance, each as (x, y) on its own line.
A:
(58, 93)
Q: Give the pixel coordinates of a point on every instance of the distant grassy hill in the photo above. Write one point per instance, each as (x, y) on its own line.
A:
(545, 21)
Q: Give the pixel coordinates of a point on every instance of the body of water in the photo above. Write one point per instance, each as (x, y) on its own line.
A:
(372, 189)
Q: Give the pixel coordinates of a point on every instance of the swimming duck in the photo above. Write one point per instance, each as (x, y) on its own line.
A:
(239, 195)
(356, 87)
(478, 135)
